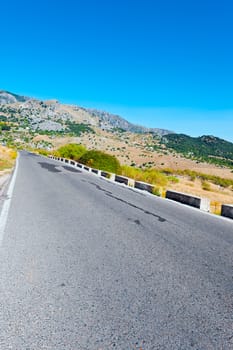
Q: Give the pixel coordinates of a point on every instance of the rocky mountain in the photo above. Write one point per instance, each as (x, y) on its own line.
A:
(8, 97)
(51, 115)
(109, 120)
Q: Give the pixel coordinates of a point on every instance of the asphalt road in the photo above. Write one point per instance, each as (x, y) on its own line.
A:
(86, 264)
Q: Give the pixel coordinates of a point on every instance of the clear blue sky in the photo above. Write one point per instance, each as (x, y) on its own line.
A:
(164, 63)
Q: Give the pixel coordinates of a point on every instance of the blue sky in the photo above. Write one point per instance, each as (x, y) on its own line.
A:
(164, 63)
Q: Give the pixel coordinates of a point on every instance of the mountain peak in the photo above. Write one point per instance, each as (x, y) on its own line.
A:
(7, 97)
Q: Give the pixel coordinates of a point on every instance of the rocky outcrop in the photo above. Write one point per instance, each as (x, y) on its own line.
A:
(8, 97)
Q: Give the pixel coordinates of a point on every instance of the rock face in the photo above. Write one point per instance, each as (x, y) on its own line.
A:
(109, 121)
(7, 98)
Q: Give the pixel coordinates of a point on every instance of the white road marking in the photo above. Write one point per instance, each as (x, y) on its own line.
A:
(6, 204)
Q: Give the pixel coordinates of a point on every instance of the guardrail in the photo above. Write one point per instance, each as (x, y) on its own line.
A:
(144, 186)
(193, 201)
(122, 179)
(196, 202)
(227, 211)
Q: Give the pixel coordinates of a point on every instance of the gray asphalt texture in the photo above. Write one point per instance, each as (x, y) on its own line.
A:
(86, 264)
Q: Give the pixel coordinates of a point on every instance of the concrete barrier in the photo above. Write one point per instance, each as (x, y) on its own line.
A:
(144, 186)
(196, 202)
(131, 182)
(121, 179)
(227, 211)
(105, 174)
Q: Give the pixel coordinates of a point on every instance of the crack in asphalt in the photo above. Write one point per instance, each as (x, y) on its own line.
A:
(53, 168)
(160, 218)
(110, 194)
(100, 188)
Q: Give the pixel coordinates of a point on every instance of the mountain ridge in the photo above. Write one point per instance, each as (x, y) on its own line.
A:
(7, 97)
(26, 119)
(106, 120)
(126, 125)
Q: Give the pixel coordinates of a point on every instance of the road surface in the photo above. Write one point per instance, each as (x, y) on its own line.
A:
(86, 264)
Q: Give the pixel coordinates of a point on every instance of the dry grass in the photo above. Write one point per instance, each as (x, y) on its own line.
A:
(151, 176)
(7, 159)
(216, 194)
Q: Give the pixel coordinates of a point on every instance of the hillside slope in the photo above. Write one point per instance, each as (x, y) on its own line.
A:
(205, 148)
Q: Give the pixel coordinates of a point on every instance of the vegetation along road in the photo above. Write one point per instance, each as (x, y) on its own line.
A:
(86, 264)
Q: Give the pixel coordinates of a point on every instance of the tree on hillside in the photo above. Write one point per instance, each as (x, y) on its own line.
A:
(71, 151)
(101, 160)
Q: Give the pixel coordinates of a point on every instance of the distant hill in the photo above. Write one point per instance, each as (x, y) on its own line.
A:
(205, 148)
(109, 121)
(7, 97)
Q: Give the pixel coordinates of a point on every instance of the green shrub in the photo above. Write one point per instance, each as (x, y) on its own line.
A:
(77, 129)
(43, 152)
(205, 186)
(131, 172)
(101, 160)
(173, 179)
(71, 151)
(156, 191)
(155, 177)
(151, 176)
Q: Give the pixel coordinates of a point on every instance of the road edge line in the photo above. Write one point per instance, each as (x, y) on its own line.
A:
(7, 202)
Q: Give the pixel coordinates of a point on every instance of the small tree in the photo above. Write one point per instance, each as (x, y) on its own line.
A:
(71, 151)
(102, 161)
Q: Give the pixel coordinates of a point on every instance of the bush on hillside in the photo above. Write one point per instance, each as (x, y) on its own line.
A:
(101, 160)
(77, 129)
(152, 176)
(205, 186)
(42, 151)
(71, 151)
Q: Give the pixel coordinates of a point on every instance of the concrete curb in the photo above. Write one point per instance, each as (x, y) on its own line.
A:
(196, 202)
(227, 211)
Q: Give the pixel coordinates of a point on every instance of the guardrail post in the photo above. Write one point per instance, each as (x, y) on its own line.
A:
(227, 211)
(196, 202)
